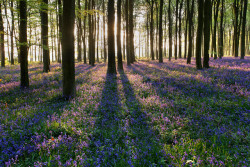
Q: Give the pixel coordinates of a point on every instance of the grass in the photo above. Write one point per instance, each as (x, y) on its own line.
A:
(151, 114)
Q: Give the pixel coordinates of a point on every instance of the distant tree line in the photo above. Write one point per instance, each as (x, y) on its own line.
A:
(54, 30)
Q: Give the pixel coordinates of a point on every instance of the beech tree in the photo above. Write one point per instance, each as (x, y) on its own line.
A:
(199, 34)
(45, 35)
(111, 37)
(23, 44)
(68, 50)
(119, 47)
(2, 38)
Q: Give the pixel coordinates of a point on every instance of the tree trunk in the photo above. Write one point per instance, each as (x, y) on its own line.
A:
(119, 47)
(221, 47)
(79, 33)
(160, 32)
(190, 37)
(180, 45)
(12, 34)
(176, 30)
(45, 34)
(243, 34)
(216, 11)
(104, 33)
(97, 39)
(68, 50)
(207, 19)
(152, 31)
(199, 34)
(60, 15)
(170, 30)
(2, 49)
(84, 36)
(131, 31)
(111, 38)
(127, 33)
(23, 47)
(186, 33)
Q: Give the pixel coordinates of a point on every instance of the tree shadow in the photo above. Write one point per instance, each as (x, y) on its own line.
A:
(144, 144)
(107, 146)
(186, 94)
(226, 80)
(24, 113)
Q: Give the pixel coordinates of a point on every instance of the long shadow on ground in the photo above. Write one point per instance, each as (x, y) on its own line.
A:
(221, 114)
(18, 128)
(144, 145)
(107, 146)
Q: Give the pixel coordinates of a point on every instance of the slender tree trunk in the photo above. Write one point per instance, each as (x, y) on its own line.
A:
(131, 31)
(2, 49)
(51, 36)
(186, 33)
(170, 30)
(124, 42)
(221, 47)
(180, 17)
(79, 33)
(207, 19)
(160, 32)
(68, 50)
(199, 34)
(12, 34)
(23, 47)
(152, 31)
(111, 37)
(104, 33)
(84, 36)
(243, 34)
(45, 34)
(216, 11)
(60, 18)
(157, 31)
(190, 37)
(176, 30)
(119, 47)
(147, 25)
(97, 39)
(127, 33)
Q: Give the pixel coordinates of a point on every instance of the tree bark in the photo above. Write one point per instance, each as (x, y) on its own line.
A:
(12, 34)
(186, 32)
(79, 33)
(68, 51)
(170, 30)
(160, 32)
(119, 47)
(131, 31)
(190, 26)
(221, 47)
(180, 17)
(45, 34)
(176, 30)
(243, 32)
(199, 34)
(23, 46)
(207, 19)
(111, 38)
(2, 38)
(104, 33)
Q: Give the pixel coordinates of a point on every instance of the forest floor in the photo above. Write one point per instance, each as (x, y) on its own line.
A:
(151, 115)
